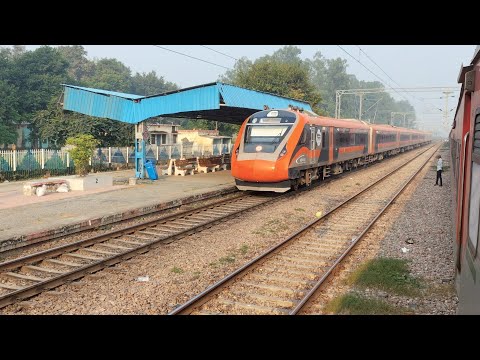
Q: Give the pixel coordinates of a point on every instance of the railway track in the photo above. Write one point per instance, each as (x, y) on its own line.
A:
(30, 275)
(284, 278)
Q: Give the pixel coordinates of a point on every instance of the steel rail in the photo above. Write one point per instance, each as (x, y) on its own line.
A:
(204, 296)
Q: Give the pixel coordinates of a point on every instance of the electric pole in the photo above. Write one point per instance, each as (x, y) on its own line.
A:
(361, 103)
(445, 113)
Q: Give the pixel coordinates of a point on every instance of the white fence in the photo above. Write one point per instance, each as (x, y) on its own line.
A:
(46, 159)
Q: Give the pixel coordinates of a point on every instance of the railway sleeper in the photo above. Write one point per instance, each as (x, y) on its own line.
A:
(296, 259)
(268, 288)
(267, 300)
(254, 308)
(23, 277)
(35, 269)
(297, 283)
(302, 275)
(309, 255)
(280, 263)
(63, 263)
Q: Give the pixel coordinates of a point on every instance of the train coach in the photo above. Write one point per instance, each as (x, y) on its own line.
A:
(465, 164)
(278, 150)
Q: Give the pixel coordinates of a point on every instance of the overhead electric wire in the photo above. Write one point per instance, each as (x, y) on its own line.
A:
(371, 72)
(231, 57)
(378, 77)
(413, 96)
(193, 57)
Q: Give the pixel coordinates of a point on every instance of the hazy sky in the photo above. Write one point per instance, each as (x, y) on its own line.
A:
(408, 65)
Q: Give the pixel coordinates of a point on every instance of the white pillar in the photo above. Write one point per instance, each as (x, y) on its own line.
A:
(43, 158)
(14, 160)
(109, 155)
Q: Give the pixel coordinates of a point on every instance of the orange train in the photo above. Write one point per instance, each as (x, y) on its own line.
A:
(277, 150)
(465, 164)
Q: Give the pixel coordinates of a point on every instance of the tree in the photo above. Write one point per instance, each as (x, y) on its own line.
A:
(9, 103)
(110, 74)
(8, 135)
(81, 151)
(282, 73)
(79, 67)
(37, 75)
(150, 84)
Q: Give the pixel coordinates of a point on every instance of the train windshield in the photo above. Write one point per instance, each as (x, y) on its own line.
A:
(269, 136)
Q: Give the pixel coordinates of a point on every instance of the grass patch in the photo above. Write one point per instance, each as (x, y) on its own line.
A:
(353, 304)
(224, 260)
(227, 260)
(244, 249)
(300, 209)
(441, 290)
(195, 276)
(271, 227)
(177, 270)
(388, 274)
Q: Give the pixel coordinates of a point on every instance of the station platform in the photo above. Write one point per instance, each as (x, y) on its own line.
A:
(31, 218)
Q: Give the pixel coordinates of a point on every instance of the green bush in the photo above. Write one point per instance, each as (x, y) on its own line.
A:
(82, 151)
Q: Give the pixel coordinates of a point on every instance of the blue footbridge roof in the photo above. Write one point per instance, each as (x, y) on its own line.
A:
(214, 101)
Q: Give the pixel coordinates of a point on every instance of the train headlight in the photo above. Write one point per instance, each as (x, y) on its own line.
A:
(283, 152)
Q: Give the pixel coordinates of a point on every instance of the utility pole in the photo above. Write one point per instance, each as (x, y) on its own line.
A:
(400, 113)
(445, 113)
(361, 103)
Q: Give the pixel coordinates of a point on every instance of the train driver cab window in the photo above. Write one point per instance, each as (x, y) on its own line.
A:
(268, 136)
(474, 211)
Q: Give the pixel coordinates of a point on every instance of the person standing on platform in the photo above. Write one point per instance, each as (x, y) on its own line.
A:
(439, 170)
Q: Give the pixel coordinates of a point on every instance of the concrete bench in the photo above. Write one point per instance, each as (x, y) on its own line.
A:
(30, 188)
(166, 169)
(185, 166)
(206, 164)
(225, 162)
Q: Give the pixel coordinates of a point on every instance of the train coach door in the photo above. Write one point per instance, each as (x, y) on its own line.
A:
(312, 144)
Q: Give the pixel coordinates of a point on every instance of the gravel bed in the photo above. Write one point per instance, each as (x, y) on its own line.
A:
(160, 280)
(420, 221)
(17, 253)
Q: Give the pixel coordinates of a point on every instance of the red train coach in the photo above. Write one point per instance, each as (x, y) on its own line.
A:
(465, 160)
(277, 150)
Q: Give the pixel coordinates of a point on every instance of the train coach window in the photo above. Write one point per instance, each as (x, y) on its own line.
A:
(473, 219)
(474, 209)
(360, 139)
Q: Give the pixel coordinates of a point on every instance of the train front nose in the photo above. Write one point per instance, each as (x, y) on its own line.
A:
(259, 171)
